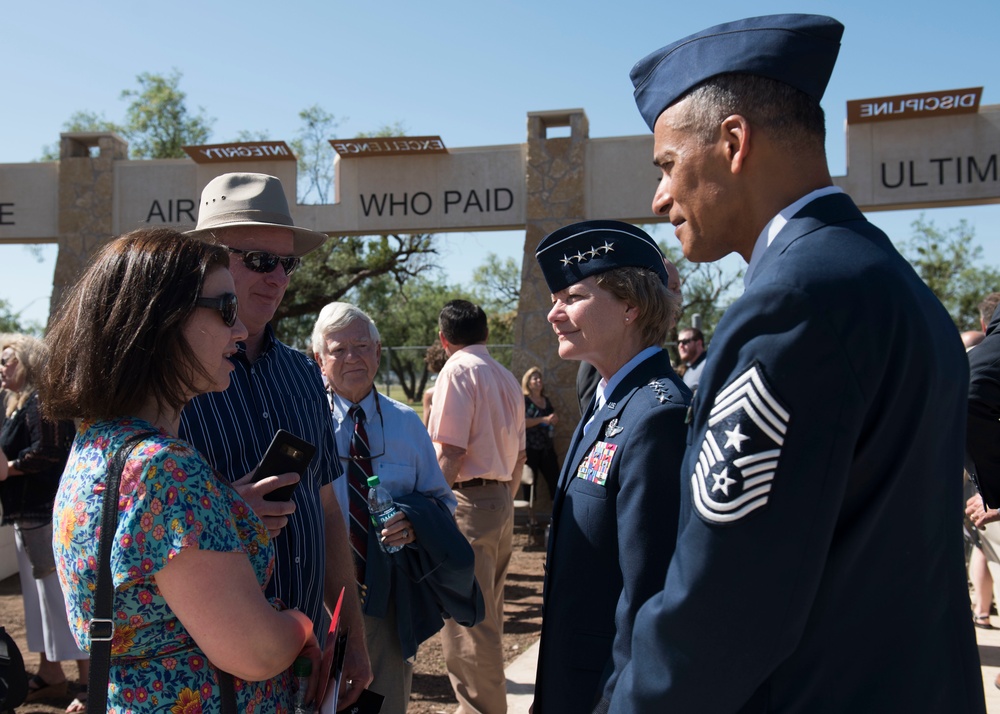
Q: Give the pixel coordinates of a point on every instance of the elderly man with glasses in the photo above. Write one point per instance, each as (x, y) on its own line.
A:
(399, 564)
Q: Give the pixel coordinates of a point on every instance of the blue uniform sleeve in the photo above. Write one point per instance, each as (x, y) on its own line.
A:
(762, 486)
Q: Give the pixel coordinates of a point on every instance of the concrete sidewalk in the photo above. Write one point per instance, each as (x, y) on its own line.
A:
(521, 681)
(521, 672)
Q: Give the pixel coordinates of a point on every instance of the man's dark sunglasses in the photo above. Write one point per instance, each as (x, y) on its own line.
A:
(688, 341)
(226, 304)
(260, 261)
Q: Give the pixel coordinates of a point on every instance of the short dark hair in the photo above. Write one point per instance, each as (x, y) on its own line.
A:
(463, 323)
(117, 338)
(988, 306)
(695, 333)
(789, 115)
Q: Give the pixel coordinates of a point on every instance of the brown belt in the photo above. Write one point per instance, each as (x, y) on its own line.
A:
(473, 482)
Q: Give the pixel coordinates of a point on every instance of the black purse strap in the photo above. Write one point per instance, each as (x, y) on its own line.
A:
(102, 625)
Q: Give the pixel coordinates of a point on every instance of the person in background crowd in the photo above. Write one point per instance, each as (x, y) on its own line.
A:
(691, 347)
(274, 387)
(150, 325)
(477, 426)
(434, 359)
(33, 452)
(979, 572)
(401, 592)
(540, 419)
(615, 509)
(821, 489)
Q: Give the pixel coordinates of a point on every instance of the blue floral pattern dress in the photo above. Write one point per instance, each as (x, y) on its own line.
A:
(170, 499)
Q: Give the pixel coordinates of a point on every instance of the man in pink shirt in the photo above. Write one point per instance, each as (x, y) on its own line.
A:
(477, 426)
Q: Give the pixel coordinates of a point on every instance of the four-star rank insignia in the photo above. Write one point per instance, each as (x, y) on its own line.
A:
(740, 451)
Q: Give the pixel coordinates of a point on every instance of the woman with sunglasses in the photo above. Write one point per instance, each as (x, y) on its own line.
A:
(150, 325)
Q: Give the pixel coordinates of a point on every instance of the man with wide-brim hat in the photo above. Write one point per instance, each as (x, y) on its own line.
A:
(274, 387)
(819, 562)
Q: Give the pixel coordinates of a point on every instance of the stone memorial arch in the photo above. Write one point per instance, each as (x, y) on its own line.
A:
(928, 150)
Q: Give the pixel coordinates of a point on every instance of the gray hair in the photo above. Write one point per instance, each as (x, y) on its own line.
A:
(789, 115)
(335, 316)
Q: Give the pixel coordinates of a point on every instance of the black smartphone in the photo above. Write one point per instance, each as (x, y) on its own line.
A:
(287, 453)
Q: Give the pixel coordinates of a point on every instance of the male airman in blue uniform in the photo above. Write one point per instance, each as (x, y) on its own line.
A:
(819, 563)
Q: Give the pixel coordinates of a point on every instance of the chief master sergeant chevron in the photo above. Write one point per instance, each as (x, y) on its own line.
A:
(819, 563)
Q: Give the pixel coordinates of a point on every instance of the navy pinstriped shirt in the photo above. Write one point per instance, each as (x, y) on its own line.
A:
(283, 389)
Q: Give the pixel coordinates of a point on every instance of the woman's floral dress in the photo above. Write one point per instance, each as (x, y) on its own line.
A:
(170, 499)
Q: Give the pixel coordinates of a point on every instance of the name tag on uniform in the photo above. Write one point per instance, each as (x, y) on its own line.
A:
(597, 464)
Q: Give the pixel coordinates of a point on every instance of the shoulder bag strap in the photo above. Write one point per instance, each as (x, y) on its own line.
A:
(102, 625)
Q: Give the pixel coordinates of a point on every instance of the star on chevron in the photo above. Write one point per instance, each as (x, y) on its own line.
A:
(723, 482)
(735, 439)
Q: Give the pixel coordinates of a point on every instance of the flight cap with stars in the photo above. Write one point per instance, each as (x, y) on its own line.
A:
(579, 250)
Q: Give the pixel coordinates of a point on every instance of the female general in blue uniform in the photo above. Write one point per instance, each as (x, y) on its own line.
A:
(614, 516)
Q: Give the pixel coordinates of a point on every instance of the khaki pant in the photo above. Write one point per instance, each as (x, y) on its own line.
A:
(393, 674)
(474, 655)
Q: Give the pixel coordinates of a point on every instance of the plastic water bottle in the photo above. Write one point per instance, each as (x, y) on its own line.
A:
(382, 508)
(302, 670)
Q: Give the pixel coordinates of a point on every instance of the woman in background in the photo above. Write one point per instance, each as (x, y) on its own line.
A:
(34, 454)
(540, 419)
(151, 324)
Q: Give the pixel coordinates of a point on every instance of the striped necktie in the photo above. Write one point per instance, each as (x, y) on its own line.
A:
(359, 468)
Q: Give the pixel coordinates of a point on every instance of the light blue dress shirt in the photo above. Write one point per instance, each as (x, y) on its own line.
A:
(403, 454)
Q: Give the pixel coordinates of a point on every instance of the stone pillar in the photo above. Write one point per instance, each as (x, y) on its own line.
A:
(86, 202)
(556, 185)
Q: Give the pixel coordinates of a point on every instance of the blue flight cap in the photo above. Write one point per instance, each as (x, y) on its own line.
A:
(799, 50)
(580, 250)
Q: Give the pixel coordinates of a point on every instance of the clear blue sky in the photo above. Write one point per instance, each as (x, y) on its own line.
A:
(468, 71)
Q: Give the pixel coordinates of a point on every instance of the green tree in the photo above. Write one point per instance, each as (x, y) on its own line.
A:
(949, 261)
(11, 322)
(496, 286)
(407, 319)
(157, 120)
(342, 264)
(314, 154)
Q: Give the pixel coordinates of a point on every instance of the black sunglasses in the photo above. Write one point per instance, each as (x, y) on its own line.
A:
(260, 261)
(226, 304)
(688, 341)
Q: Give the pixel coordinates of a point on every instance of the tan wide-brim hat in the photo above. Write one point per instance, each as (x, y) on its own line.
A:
(250, 200)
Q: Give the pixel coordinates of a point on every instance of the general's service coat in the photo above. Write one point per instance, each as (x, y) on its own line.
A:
(614, 521)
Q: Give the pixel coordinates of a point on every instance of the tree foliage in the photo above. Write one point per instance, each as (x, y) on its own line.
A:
(496, 286)
(157, 121)
(341, 265)
(314, 154)
(949, 261)
(707, 290)
(10, 322)
(407, 319)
